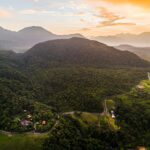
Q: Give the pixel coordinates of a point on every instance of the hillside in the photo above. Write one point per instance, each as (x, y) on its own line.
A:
(69, 74)
(133, 114)
(88, 130)
(78, 51)
(38, 89)
(24, 39)
(143, 52)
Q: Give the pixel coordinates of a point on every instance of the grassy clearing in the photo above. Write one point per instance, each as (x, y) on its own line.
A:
(21, 142)
(86, 118)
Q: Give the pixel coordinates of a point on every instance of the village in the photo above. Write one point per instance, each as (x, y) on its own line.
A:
(38, 118)
(28, 121)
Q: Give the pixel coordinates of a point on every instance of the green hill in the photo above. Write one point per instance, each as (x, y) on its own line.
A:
(39, 86)
(79, 51)
(133, 115)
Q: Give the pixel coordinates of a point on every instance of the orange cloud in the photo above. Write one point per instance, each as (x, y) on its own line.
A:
(141, 3)
(144, 3)
(104, 13)
(110, 19)
(85, 29)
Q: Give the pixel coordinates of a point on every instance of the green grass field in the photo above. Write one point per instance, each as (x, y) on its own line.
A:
(21, 142)
(87, 119)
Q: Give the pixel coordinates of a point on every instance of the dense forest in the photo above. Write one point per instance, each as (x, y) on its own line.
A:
(129, 130)
(46, 92)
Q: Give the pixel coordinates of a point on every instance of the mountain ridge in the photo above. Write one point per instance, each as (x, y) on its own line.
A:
(143, 52)
(137, 40)
(81, 51)
(25, 38)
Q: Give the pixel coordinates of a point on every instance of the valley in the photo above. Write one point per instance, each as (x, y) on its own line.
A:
(74, 75)
(73, 93)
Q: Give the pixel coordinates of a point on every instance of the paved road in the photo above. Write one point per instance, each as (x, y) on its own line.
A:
(73, 112)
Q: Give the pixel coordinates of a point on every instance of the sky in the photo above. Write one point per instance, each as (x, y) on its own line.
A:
(88, 17)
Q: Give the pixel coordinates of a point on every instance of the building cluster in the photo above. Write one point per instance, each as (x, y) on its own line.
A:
(28, 120)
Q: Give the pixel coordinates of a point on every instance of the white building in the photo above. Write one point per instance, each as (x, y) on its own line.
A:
(148, 76)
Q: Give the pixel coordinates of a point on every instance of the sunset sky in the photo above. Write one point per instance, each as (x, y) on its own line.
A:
(88, 17)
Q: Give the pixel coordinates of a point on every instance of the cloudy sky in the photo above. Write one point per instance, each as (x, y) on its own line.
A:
(88, 17)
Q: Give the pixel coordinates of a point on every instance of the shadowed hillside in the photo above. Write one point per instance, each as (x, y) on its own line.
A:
(78, 51)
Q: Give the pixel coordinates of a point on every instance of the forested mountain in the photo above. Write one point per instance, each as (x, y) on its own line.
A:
(79, 51)
(60, 87)
(72, 74)
(26, 38)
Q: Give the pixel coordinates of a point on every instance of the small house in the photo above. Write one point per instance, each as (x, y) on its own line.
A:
(25, 123)
(44, 122)
(113, 114)
(29, 116)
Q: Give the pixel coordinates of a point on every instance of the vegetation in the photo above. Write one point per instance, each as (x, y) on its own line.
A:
(72, 134)
(46, 93)
(80, 88)
(133, 116)
(22, 142)
(89, 131)
(81, 52)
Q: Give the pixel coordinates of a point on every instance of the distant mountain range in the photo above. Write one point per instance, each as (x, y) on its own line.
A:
(82, 52)
(139, 40)
(143, 52)
(26, 38)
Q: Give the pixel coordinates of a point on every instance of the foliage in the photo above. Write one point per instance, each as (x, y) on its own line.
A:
(21, 142)
(133, 116)
(79, 88)
(70, 134)
(27, 89)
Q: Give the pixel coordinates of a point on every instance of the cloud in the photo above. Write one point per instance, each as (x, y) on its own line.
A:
(107, 23)
(28, 11)
(4, 13)
(111, 19)
(82, 20)
(85, 29)
(80, 13)
(33, 0)
(141, 3)
(36, 11)
(49, 12)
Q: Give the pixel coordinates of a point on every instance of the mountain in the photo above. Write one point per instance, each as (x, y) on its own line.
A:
(26, 38)
(139, 40)
(8, 59)
(69, 74)
(51, 87)
(143, 52)
(79, 51)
